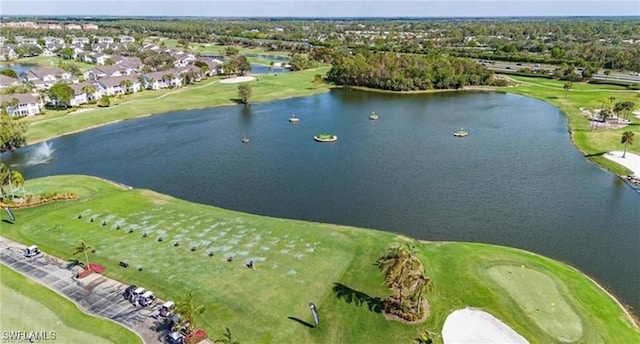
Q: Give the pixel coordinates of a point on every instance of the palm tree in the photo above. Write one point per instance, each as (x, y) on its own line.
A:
(83, 248)
(627, 139)
(16, 180)
(5, 177)
(227, 338)
(397, 265)
(187, 309)
(419, 287)
(89, 90)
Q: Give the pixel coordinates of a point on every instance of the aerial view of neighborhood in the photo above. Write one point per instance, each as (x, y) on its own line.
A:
(307, 171)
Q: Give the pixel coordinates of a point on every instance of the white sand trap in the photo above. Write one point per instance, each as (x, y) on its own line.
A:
(471, 326)
(237, 79)
(630, 161)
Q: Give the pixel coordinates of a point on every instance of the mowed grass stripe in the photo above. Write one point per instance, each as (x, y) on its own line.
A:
(29, 306)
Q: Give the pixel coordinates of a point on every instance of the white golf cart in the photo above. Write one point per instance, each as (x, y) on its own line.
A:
(31, 251)
(175, 338)
(135, 295)
(166, 309)
(146, 299)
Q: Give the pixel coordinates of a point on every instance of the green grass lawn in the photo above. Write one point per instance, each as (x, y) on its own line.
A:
(205, 94)
(28, 306)
(51, 61)
(296, 263)
(592, 143)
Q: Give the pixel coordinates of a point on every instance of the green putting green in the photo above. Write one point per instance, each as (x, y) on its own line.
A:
(541, 299)
(30, 307)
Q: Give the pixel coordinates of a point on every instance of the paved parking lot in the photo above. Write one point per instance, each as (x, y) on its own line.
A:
(94, 294)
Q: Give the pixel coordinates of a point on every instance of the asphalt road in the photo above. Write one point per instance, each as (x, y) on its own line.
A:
(94, 294)
(502, 66)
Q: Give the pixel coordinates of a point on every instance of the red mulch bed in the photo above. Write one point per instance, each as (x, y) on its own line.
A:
(97, 268)
(196, 336)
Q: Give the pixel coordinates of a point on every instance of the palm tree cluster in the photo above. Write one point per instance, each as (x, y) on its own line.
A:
(404, 274)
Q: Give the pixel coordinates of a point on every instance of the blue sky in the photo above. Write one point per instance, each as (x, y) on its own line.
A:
(326, 8)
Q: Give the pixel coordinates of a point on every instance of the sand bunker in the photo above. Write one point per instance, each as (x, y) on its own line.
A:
(471, 326)
(237, 79)
(630, 161)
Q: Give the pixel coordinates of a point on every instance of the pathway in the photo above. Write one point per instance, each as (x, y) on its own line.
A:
(94, 294)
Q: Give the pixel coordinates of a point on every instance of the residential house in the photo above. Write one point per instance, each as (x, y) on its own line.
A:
(53, 40)
(103, 72)
(197, 73)
(7, 81)
(126, 39)
(130, 64)
(215, 65)
(46, 77)
(98, 58)
(26, 40)
(103, 39)
(81, 96)
(7, 53)
(181, 58)
(28, 104)
(115, 86)
(79, 40)
(162, 79)
(90, 27)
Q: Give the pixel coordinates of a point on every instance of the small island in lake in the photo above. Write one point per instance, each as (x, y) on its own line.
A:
(460, 133)
(325, 137)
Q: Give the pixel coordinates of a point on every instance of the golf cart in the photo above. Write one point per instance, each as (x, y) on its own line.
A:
(135, 295)
(129, 291)
(146, 299)
(166, 309)
(175, 338)
(31, 251)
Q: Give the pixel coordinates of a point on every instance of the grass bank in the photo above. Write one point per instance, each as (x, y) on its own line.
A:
(208, 93)
(28, 306)
(296, 262)
(592, 143)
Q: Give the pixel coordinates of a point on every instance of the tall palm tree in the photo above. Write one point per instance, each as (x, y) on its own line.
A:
(5, 178)
(187, 308)
(16, 180)
(627, 139)
(83, 248)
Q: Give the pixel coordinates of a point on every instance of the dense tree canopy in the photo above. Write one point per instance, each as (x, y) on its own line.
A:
(61, 93)
(12, 132)
(397, 72)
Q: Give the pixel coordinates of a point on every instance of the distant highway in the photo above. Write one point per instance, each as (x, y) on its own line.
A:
(506, 67)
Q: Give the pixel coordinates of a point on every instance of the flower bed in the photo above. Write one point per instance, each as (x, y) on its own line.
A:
(97, 268)
(32, 201)
(196, 337)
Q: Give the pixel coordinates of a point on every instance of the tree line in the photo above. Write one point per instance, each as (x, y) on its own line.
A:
(405, 72)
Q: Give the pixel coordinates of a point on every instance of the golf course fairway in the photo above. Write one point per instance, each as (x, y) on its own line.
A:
(174, 247)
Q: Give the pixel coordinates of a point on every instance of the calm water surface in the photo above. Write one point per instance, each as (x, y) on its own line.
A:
(516, 180)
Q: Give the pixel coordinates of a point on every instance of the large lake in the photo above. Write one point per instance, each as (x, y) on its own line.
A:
(516, 180)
